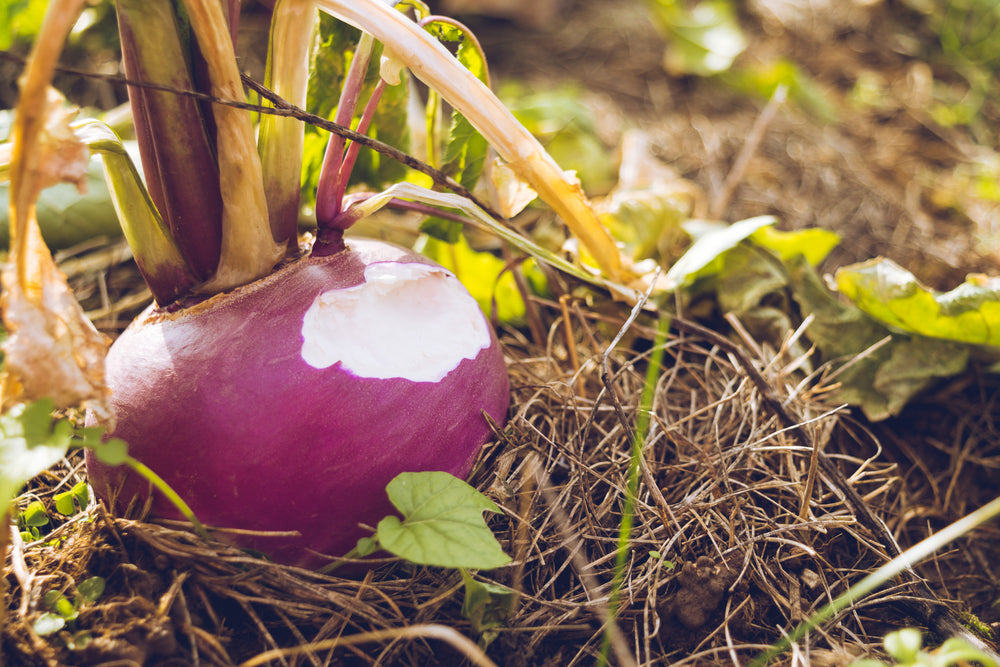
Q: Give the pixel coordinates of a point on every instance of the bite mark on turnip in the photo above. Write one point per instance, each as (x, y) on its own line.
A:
(418, 320)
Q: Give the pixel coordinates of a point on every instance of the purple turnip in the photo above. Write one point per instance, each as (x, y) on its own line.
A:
(290, 403)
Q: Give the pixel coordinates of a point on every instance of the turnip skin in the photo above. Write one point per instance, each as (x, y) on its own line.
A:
(218, 400)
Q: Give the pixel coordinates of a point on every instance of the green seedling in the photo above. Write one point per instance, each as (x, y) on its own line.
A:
(905, 647)
(441, 525)
(64, 612)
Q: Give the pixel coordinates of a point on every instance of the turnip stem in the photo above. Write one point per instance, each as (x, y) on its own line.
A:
(281, 138)
(329, 190)
(154, 247)
(249, 251)
(351, 154)
(178, 155)
(434, 65)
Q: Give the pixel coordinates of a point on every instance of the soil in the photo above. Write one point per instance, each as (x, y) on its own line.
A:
(757, 503)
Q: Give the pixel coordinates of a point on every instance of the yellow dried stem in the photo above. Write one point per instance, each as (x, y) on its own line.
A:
(249, 251)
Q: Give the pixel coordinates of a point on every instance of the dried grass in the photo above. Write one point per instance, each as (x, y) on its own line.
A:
(757, 505)
(758, 502)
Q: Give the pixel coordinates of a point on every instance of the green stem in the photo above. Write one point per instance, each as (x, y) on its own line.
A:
(171, 495)
(628, 513)
(155, 250)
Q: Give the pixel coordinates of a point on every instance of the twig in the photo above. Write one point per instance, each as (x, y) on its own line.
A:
(749, 149)
(459, 641)
(283, 108)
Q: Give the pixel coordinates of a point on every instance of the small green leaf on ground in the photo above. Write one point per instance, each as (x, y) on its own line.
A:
(48, 624)
(34, 515)
(442, 523)
(91, 589)
(486, 606)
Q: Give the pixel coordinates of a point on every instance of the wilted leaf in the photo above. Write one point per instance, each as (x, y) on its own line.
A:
(53, 350)
(886, 369)
(970, 313)
(647, 207)
(486, 606)
(442, 523)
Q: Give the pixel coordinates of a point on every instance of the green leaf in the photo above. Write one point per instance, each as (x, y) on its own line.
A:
(30, 442)
(64, 503)
(22, 21)
(91, 589)
(970, 313)
(904, 645)
(703, 39)
(466, 149)
(70, 502)
(704, 256)
(563, 122)
(814, 244)
(113, 451)
(65, 608)
(762, 79)
(442, 523)
(442, 229)
(34, 515)
(366, 547)
(48, 624)
(465, 153)
(486, 606)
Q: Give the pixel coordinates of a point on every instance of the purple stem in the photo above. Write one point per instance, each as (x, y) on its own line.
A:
(328, 191)
(330, 240)
(351, 157)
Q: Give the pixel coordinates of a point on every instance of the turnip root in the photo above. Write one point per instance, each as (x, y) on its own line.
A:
(290, 403)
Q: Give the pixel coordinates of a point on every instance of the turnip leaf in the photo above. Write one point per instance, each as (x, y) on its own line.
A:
(709, 247)
(442, 523)
(970, 313)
